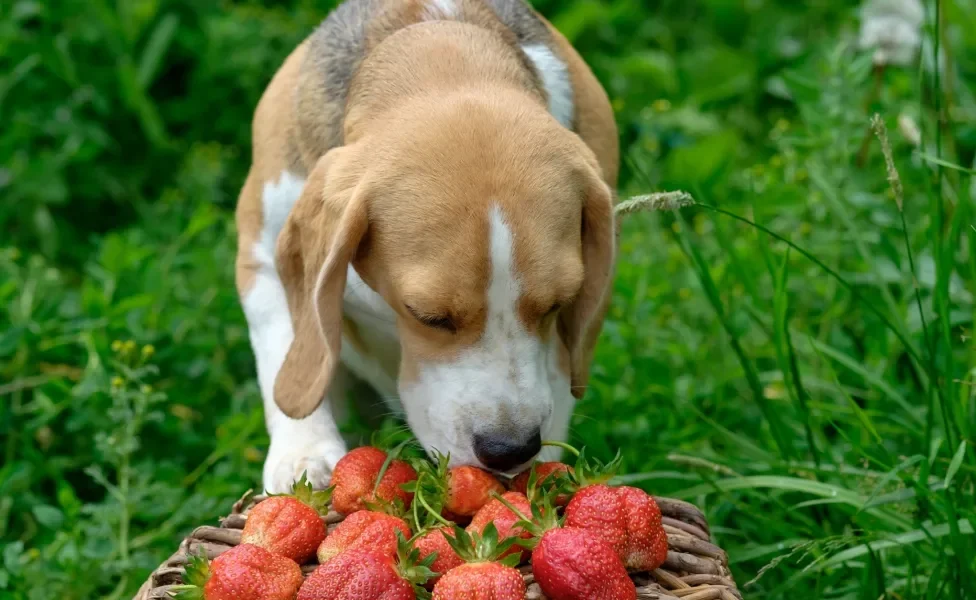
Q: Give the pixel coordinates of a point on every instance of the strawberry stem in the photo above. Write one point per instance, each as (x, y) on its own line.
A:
(509, 506)
(562, 445)
(419, 495)
(390, 457)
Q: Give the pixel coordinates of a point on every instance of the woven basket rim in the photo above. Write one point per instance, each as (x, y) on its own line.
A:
(695, 569)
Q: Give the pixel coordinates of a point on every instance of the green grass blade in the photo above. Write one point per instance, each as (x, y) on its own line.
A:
(903, 539)
(944, 163)
(155, 50)
(776, 427)
(873, 379)
(794, 484)
(786, 356)
(955, 463)
(906, 343)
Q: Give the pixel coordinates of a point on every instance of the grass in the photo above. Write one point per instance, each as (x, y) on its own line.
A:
(792, 354)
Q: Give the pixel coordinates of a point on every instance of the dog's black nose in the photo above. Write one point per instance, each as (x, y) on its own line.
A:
(502, 452)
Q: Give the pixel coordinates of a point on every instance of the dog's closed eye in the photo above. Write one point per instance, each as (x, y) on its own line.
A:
(434, 321)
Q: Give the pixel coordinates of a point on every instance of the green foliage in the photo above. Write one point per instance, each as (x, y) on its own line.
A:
(473, 547)
(195, 576)
(794, 355)
(410, 566)
(303, 492)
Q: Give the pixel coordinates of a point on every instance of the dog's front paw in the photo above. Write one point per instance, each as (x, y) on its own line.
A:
(287, 462)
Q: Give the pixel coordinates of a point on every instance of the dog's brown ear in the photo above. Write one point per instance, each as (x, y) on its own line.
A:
(580, 321)
(319, 240)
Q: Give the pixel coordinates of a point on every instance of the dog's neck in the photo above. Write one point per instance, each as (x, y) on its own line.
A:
(429, 63)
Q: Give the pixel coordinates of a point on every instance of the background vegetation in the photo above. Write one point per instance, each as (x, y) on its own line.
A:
(815, 400)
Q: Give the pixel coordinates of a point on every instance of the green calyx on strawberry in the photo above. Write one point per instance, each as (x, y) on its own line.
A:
(196, 574)
(544, 516)
(473, 547)
(303, 492)
(454, 493)
(433, 543)
(483, 576)
(412, 567)
(586, 471)
(430, 493)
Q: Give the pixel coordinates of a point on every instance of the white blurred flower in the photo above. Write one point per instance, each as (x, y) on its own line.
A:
(893, 28)
(909, 129)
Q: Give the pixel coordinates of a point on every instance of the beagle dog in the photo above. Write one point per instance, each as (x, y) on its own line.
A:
(429, 209)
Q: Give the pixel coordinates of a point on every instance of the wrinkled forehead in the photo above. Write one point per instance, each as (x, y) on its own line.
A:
(471, 255)
(460, 203)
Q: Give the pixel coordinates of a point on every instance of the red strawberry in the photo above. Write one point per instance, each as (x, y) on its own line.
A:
(363, 530)
(481, 581)
(456, 493)
(360, 574)
(357, 575)
(480, 578)
(543, 471)
(436, 540)
(575, 564)
(288, 525)
(245, 572)
(355, 475)
(626, 518)
(468, 489)
(503, 518)
(571, 563)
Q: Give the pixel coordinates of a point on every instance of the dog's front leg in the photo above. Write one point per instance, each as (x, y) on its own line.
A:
(311, 445)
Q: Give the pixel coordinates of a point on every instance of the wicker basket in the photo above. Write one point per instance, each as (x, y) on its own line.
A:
(695, 568)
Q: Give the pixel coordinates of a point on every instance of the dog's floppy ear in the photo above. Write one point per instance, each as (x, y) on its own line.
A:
(319, 240)
(580, 321)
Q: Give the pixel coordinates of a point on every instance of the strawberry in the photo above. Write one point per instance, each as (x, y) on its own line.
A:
(480, 577)
(504, 520)
(468, 489)
(363, 530)
(355, 476)
(289, 526)
(357, 575)
(435, 542)
(245, 572)
(626, 518)
(361, 574)
(570, 563)
(456, 493)
(547, 473)
(575, 564)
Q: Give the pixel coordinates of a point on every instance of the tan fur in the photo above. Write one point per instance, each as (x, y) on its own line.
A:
(442, 120)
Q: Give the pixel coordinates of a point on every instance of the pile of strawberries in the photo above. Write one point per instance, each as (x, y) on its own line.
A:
(402, 539)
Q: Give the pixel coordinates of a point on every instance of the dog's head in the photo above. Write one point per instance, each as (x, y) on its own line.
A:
(488, 229)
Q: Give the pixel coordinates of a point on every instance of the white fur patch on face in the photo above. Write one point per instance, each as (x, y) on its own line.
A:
(555, 78)
(508, 383)
(440, 9)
